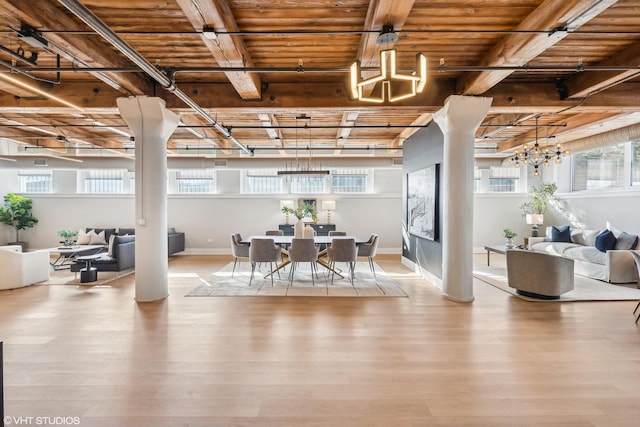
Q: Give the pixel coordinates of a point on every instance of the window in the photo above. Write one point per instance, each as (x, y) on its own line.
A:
(195, 181)
(635, 163)
(504, 180)
(307, 184)
(104, 181)
(262, 182)
(599, 168)
(36, 181)
(349, 181)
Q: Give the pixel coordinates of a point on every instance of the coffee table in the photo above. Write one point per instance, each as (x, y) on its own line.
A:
(499, 249)
(68, 254)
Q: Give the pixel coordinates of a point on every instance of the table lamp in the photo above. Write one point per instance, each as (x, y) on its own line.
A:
(535, 220)
(329, 205)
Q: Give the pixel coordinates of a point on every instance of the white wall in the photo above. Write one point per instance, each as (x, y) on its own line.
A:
(208, 220)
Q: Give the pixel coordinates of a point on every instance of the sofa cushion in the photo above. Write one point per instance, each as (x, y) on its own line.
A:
(587, 254)
(561, 234)
(626, 241)
(590, 237)
(606, 241)
(553, 248)
(126, 231)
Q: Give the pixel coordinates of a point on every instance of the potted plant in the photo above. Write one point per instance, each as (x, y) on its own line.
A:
(509, 234)
(68, 236)
(305, 210)
(535, 208)
(16, 212)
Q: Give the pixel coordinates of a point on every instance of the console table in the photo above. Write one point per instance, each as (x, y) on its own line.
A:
(321, 229)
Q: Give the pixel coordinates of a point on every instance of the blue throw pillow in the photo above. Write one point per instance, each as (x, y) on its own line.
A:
(561, 234)
(605, 241)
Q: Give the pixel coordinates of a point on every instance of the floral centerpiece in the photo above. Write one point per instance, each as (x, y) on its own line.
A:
(305, 210)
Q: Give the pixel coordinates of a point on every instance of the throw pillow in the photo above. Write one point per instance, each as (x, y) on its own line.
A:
(561, 234)
(626, 241)
(83, 238)
(606, 241)
(97, 239)
(112, 239)
(590, 237)
(577, 237)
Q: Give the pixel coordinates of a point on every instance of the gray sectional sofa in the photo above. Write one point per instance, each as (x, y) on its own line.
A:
(614, 265)
(122, 253)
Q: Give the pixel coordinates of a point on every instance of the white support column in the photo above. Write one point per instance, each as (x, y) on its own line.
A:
(459, 119)
(152, 125)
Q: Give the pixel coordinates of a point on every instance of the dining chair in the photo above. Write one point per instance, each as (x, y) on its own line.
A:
(337, 233)
(263, 250)
(274, 233)
(369, 249)
(303, 250)
(238, 250)
(342, 250)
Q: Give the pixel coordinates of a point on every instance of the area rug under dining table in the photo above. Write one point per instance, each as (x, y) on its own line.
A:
(365, 284)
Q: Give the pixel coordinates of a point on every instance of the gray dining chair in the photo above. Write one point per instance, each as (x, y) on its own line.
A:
(238, 250)
(342, 250)
(263, 250)
(337, 233)
(369, 249)
(636, 258)
(274, 233)
(303, 250)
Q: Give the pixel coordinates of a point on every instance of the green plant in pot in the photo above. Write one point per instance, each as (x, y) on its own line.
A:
(68, 236)
(16, 212)
(303, 211)
(509, 234)
(537, 206)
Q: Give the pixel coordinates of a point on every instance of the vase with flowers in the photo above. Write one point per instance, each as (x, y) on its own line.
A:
(509, 234)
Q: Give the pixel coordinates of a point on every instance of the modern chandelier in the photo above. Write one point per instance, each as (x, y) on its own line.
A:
(307, 168)
(392, 85)
(535, 155)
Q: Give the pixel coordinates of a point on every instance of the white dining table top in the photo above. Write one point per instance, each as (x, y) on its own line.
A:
(286, 240)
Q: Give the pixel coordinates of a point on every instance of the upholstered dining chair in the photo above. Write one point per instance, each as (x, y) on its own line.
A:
(274, 233)
(303, 250)
(263, 250)
(337, 233)
(369, 249)
(238, 250)
(636, 258)
(342, 250)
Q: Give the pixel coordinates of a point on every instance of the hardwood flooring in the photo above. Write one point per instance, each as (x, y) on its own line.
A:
(95, 354)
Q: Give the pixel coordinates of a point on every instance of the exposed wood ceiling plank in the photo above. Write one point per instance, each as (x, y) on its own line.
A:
(43, 14)
(228, 50)
(589, 82)
(423, 120)
(519, 49)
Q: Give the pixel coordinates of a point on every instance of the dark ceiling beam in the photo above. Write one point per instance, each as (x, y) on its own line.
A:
(519, 49)
(228, 50)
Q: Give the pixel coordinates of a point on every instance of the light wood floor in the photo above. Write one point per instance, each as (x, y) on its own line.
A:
(95, 354)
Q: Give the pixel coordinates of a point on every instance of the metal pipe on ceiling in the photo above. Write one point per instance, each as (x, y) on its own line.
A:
(108, 34)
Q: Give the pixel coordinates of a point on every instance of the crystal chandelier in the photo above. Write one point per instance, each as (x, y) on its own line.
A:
(535, 155)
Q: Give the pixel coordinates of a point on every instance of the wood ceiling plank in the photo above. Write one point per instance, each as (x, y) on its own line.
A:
(44, 14)
(519, 49)
(228, 50)
(588, 82)
(422, 120)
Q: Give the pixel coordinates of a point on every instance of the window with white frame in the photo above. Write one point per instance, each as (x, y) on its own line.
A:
(504, 179)
(193, 181)
(307, 184)
(477, 176)
(36, 181)
(98, 181)
(599, 168)
(635, 162)
(349, 181)
(262, 181)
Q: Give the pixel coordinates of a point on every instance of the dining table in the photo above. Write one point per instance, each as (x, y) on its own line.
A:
(322, 241)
